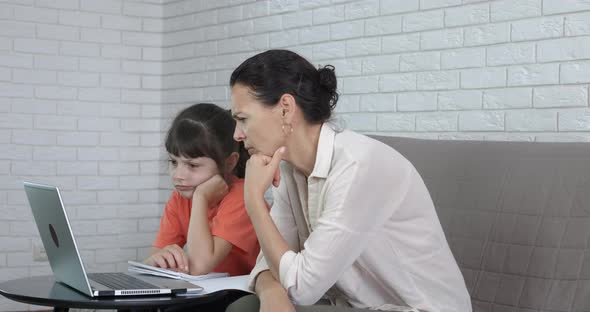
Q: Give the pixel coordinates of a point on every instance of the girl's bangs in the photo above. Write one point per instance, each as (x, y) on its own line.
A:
(188, 140)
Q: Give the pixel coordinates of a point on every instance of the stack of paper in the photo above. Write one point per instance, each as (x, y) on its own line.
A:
(211, 282)
(141, 268)
(239, 282)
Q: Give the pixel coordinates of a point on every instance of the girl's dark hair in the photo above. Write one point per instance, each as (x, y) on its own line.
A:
(276, 72)
(206, 130)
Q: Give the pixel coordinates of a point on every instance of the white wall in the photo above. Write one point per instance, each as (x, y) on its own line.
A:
(449, 69)
(87, 87)
(78, 109)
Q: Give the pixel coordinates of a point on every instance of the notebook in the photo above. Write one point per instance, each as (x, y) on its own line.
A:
(65, 261)
(138, 267)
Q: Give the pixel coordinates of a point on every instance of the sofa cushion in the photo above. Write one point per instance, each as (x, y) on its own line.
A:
(517, 218)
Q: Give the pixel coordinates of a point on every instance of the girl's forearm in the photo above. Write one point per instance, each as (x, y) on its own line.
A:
(200, 244)
(271, 241)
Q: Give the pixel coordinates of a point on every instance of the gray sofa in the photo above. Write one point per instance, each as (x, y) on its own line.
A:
(517, 218)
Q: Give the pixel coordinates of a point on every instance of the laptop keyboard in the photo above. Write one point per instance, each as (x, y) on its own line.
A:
(119, 281)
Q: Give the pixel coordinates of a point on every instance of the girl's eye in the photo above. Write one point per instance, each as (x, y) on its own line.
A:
(240, 119)
(193, 165)
(172, 162)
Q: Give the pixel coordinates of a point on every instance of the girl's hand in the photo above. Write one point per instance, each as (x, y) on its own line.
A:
(261, 171)
(170, 257)
(213, 190)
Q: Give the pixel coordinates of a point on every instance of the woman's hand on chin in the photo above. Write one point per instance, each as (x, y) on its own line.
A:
(261, 172)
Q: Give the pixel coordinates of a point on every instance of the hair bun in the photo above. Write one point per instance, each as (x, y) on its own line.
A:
(327, 78)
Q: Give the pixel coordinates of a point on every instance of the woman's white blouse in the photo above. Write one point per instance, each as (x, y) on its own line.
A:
(364, 232)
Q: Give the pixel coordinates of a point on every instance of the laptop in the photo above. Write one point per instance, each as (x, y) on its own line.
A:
(66, 263)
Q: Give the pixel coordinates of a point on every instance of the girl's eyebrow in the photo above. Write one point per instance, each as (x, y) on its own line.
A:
(184, 160)
(191, 161)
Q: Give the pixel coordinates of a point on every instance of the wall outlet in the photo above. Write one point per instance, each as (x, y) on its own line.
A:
(39, 254)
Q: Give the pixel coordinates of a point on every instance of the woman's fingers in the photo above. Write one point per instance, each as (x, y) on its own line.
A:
(274, 164)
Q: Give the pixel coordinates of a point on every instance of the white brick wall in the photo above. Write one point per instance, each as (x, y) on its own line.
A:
(482, 59)
(71, 114)
(88, 87)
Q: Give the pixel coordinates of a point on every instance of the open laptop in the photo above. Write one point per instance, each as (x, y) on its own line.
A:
(66, 263)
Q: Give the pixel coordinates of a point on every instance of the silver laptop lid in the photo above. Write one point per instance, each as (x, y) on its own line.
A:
(56, 234)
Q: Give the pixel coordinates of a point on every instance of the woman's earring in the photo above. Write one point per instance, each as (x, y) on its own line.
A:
(290, 128)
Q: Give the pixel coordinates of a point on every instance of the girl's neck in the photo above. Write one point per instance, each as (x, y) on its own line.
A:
(302, 148)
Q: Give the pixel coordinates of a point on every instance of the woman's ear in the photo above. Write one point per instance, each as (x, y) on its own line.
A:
(287, 107)
(231, 161)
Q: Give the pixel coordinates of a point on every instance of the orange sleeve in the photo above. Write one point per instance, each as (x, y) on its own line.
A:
(170, 231)
(232, 222)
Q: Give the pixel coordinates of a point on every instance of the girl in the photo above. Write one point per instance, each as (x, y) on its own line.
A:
(206, 209)
(352, 222)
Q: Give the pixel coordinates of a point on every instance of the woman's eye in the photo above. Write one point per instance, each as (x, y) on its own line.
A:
(172, 162)
(193, 165)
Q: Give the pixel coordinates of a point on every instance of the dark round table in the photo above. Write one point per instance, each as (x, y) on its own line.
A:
(44, 291)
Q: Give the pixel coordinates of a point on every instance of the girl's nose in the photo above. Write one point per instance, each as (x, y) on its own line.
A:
(178, 174)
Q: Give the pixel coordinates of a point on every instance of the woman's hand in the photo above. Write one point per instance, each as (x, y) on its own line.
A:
(272, 295)
(278, 302)
(170, 257)
(212, 191)
(261, 171)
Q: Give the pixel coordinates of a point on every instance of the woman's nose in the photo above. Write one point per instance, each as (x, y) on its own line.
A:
(239, 134)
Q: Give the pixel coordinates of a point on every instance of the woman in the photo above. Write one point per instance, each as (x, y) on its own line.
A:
(352, 222)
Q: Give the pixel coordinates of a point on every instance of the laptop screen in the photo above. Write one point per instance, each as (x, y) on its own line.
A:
(56, 234)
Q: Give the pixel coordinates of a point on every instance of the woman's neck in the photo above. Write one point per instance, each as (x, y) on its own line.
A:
(302, 148)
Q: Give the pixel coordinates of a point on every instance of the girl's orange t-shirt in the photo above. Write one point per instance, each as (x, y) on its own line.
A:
(229, 220)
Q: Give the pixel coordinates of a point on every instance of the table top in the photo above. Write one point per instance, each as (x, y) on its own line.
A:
(45, 291)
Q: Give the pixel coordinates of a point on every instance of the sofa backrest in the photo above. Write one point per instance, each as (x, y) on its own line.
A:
(517, 218)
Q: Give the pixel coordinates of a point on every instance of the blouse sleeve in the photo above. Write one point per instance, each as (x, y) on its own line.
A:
(282, 216)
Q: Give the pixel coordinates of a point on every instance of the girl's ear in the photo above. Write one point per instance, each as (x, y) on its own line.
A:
(231, 161)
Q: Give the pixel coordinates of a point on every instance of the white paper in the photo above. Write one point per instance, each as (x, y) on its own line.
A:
(239, 282)
(139, 267)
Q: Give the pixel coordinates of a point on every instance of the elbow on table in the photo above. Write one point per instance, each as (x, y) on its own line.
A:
(200, 269)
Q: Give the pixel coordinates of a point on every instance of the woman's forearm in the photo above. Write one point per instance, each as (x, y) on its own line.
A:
(266, 284)
(273, 297)
(271, 241)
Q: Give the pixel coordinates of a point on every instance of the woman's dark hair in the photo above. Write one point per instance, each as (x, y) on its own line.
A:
(206, 130)
(276, 72)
